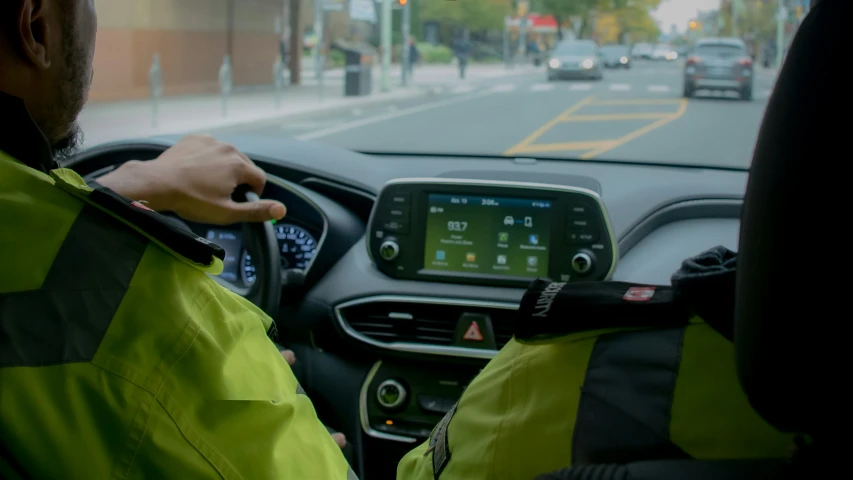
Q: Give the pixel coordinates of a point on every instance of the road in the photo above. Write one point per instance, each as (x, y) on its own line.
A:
(632, 115)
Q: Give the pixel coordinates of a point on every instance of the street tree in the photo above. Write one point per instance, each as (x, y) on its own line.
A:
(474, 15)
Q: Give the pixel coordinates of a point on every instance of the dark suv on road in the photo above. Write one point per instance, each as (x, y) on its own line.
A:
(719, 64)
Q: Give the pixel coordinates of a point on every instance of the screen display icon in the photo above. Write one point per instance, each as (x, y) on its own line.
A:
(470, 258)
(534, 239)
(503, 237)
(501, 259)
(532, 262)
(528, 221)
(439, 254)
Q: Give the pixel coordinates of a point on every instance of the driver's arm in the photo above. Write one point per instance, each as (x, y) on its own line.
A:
(195, 179)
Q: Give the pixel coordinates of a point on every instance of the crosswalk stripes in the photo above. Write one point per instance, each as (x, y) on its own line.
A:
(463, 89)
(506, 87)
(580, 86)
(620, 87)
(542, 87)
(658, 88)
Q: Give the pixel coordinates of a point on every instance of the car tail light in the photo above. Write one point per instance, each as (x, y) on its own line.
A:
(745, 61)
(693, 60)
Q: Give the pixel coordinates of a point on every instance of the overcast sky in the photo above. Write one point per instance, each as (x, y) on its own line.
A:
(680, 12)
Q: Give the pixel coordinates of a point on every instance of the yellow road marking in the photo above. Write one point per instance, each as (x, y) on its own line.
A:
(556, 147)
(640, 132)
(639, 101)
(521, 146)
(615, 116)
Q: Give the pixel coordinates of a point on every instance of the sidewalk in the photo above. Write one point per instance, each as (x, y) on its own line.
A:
(109, 121)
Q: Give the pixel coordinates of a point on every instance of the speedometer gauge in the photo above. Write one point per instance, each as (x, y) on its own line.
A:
(298, 247)
(248, 269)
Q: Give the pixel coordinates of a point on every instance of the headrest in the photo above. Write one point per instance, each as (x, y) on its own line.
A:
(792, 299)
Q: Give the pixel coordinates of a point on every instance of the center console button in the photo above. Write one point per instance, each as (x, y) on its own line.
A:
(398, 199)
(582, 263)
(396, 226)
(389, 250)
(433, 404)
(391, 394)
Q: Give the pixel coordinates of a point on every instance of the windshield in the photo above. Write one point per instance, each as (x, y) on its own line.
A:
(470, 77)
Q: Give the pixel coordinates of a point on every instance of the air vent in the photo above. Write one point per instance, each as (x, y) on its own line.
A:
(404, 323)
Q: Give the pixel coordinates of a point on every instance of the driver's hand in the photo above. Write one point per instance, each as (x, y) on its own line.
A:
(195, 179)
(338, 437)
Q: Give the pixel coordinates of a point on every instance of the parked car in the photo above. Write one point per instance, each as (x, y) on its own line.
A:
(575, 59)
(616, 56)
(719, 64)
(664, 51)
(642, 51)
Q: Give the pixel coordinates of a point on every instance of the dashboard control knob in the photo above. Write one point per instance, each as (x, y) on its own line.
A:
(391, 394)
(389, 250)
(582, 263)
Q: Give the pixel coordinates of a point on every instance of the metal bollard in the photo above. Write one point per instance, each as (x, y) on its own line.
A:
(226, 82)
(278, 80)
(155, 87)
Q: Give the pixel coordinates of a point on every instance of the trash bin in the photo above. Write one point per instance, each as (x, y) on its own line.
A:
(358, 79)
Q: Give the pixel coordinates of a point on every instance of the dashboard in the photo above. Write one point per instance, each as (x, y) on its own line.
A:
(411, 266)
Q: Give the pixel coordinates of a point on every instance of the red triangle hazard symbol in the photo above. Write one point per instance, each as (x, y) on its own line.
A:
(473, 333)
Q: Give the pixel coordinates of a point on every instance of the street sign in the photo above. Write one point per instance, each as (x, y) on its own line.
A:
(155, 85)
(364, 10)
(334, 5)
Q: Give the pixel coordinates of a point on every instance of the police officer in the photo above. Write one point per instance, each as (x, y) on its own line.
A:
(606, 372)
(118, 355)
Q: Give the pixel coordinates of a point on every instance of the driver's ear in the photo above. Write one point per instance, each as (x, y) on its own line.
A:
(33, 28)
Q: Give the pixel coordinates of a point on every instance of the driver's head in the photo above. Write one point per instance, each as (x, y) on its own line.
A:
(46, 50)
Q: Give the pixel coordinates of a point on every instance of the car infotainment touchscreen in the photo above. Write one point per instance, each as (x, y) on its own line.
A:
(487, 235)
(490, 232)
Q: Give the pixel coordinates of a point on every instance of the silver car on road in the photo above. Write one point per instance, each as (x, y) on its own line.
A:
(575, 59)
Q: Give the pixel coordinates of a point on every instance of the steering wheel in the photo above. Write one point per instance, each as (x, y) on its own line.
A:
(260, 242)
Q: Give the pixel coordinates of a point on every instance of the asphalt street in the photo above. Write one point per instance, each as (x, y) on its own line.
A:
(631, 115)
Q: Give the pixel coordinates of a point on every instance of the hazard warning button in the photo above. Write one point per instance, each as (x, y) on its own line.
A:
(474, 330)
(473, 333)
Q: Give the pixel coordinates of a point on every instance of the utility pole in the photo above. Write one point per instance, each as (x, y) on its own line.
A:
(407, 20)
(735, 12)
(523, 6)
(781, 16)
(385, 44)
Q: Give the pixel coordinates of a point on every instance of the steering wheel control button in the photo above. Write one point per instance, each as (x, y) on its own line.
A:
(389, 250)
(396, 226)
(390, 394)
(582, 263)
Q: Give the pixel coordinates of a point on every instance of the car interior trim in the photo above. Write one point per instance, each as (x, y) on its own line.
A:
(443, 350)
(362, 410)
(507, 183)
(674, 212)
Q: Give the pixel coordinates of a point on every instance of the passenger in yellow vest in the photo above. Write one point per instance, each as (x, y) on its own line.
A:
(606, 372)
(119, 357)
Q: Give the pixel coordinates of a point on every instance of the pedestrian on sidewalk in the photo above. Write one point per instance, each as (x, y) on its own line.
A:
(461, 48)
(414, 55)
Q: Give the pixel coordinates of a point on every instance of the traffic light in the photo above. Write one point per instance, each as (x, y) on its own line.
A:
(402, 2)
(693, 24)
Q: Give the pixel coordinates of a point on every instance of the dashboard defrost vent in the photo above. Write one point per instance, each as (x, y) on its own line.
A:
(415, 322)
